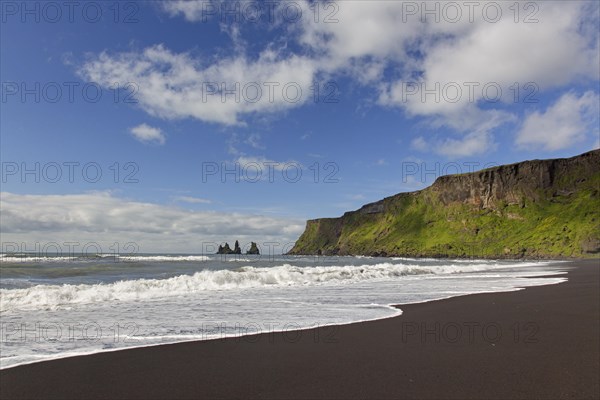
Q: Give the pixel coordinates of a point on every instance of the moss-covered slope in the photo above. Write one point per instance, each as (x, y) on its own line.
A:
(540, 208)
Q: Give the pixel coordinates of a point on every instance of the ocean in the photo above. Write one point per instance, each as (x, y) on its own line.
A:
(55, 306)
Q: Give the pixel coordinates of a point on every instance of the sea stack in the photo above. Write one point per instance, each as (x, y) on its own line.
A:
(253, 249)
(227, 250)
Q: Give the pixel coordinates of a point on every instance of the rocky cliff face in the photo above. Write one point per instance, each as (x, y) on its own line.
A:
(515, 183)
(540, 208)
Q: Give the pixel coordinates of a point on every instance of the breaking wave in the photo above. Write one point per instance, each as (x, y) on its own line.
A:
(55, 296)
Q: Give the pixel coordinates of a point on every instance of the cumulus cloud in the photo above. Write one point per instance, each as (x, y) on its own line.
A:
(176, 85)
(147, 134)
(104, 218)
(192, 200)
(472, 143)
(381, 45)
(445, 71)
(476, 142)
(191, 10)
(569, 121)
(551, 53)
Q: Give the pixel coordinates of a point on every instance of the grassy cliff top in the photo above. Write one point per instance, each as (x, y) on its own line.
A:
(539, 208)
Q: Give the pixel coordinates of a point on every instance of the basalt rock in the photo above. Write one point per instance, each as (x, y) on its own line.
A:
(253, 249)
(225, 249)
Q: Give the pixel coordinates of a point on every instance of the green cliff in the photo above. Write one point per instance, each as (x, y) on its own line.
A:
(540, 208)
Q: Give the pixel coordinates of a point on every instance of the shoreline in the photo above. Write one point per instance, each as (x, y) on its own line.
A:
(393, 307)
(330, 361)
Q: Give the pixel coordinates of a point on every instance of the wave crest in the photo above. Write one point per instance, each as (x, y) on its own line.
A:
(54, 296)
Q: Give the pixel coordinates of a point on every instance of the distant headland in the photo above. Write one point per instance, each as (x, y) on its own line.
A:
(531, 209)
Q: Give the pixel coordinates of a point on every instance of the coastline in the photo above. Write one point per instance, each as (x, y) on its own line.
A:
(539, 342)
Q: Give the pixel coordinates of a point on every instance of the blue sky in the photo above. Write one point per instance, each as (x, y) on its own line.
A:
(160, 121)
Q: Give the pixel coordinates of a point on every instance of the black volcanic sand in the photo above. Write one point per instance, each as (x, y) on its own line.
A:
(542, 342)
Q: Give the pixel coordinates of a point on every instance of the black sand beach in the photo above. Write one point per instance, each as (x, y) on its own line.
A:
(542, 342)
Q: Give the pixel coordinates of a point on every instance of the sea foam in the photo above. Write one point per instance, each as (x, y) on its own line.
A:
(51, 297)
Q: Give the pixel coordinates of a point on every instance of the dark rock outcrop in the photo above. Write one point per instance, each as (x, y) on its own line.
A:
(591, 245)
(253, 249)
(225, 249)
(236, 249)
(511, 184)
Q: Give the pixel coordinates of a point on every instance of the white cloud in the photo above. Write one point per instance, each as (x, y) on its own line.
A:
(206, 10)
(380, 45)
(366, 34)
(232, 145)
(561, 48)
(191, 10)
(471, 144)
(565, 123)
(106, 219)
(551, 53)
(176, 85)
(147, 134)
(476, 142)
(419, 143)
(192, 200)
(254, 141)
